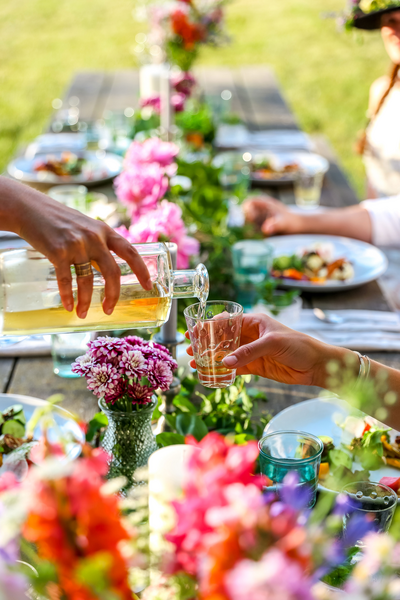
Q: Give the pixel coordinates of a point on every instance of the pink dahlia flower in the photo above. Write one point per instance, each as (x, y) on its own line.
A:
(159, 374)
(103, 380)
(133, 363)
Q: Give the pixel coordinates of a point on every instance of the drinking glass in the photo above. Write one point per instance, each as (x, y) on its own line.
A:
(309, 179)
(285, 451)
(73, 196)
(374, 500)
(65, 349)
(214, 330)
(252, 262)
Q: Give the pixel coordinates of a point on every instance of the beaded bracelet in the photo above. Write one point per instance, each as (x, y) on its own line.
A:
(365, 366)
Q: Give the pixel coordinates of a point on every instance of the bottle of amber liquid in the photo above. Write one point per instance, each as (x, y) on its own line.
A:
(30, 302)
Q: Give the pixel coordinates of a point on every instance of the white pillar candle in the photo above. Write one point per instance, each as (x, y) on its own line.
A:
(150, 80)
(166, 477)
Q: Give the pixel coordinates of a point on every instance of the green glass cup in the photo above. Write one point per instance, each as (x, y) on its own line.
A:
(283, 452)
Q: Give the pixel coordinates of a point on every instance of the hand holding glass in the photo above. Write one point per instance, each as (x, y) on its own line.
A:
(213, 337)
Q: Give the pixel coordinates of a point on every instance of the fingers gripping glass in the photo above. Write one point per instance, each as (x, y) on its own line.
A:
(213, 337)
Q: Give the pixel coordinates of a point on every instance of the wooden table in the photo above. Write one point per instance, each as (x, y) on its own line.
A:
(257, 100)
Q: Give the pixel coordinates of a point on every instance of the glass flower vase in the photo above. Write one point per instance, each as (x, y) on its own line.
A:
(129, 440)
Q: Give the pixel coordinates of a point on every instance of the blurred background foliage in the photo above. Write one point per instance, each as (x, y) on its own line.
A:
(325, 74)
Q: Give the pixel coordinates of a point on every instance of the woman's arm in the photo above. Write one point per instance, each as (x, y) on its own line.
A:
(276, 218)
(271, 350)
(68, 237)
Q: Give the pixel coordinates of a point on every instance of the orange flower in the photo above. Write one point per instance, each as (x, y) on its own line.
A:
(191, 33)
(71, 520)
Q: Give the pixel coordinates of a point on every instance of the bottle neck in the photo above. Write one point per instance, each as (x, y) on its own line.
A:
(193, 283)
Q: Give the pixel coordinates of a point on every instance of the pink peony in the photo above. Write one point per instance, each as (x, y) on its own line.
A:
(153, 101)
(163, 224)
(178, 101)
(152, 150)
(141, 187)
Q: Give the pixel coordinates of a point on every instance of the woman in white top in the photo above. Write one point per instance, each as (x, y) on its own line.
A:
(380, 143)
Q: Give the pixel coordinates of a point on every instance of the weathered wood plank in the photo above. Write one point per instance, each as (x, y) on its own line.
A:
(269, 108)
(215, 81)
(124, 91)
(6, 366)
(35, 377)
(367, 297)
(86, 85)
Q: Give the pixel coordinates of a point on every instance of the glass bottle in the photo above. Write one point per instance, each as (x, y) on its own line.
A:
(30, 302)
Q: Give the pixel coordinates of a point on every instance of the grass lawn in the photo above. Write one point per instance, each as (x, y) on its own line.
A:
(325, 74)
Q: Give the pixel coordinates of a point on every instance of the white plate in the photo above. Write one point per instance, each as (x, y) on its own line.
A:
(103, 167)
(321, 417)
(368, 262)
(62, 417)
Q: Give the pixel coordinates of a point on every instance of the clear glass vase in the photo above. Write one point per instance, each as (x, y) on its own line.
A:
(129, 440)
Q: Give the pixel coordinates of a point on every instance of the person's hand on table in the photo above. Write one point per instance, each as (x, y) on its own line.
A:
(67, 237)
(271, 216)
(271, 350)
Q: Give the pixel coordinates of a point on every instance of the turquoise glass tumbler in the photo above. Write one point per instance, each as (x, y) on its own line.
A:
(283, 452)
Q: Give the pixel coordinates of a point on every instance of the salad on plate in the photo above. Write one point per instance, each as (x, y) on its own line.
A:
(316, 264)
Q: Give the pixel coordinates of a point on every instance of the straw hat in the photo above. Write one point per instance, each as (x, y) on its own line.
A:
(366, 14)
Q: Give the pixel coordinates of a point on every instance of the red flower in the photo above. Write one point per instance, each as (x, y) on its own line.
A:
(191, 33)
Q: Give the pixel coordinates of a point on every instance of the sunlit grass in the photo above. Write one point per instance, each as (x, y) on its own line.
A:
(325, 75)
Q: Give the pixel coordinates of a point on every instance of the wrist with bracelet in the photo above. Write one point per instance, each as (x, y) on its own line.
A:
(365, 367)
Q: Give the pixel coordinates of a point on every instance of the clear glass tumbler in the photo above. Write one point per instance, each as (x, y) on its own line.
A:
(252, 262)
(285, 451)
(214, 330)
(374, 500)
(65, 349)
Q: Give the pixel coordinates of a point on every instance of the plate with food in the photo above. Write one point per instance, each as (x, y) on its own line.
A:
(357, 447)
(325, 263)
(16, 442)
(84, 167)
(283, 167)
(268, 167)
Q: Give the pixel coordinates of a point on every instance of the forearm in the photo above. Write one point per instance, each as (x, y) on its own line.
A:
(387, 396)
(14, 200)
(353, 222)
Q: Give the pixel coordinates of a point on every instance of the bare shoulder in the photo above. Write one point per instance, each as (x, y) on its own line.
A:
(377, 89)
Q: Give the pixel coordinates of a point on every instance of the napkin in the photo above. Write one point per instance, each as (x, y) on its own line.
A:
(363, 330)
(238, 136)
(36, 345)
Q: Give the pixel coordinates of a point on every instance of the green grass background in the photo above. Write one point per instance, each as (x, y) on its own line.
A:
(325, 74)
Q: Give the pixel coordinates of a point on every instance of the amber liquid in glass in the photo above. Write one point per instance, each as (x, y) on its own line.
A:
(136, 308)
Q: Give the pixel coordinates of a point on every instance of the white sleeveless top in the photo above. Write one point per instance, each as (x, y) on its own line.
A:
(382, 156)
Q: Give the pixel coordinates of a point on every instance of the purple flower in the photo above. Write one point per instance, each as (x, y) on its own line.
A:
(141, 394)
(159, 374)
(357, 527)
(293, 494)
(107, 349)
(104, 380)
(183, 82)
(83, 364)
(178, 102)
(342, 505)
(133, 363)
(153, 102)
(134, 340)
